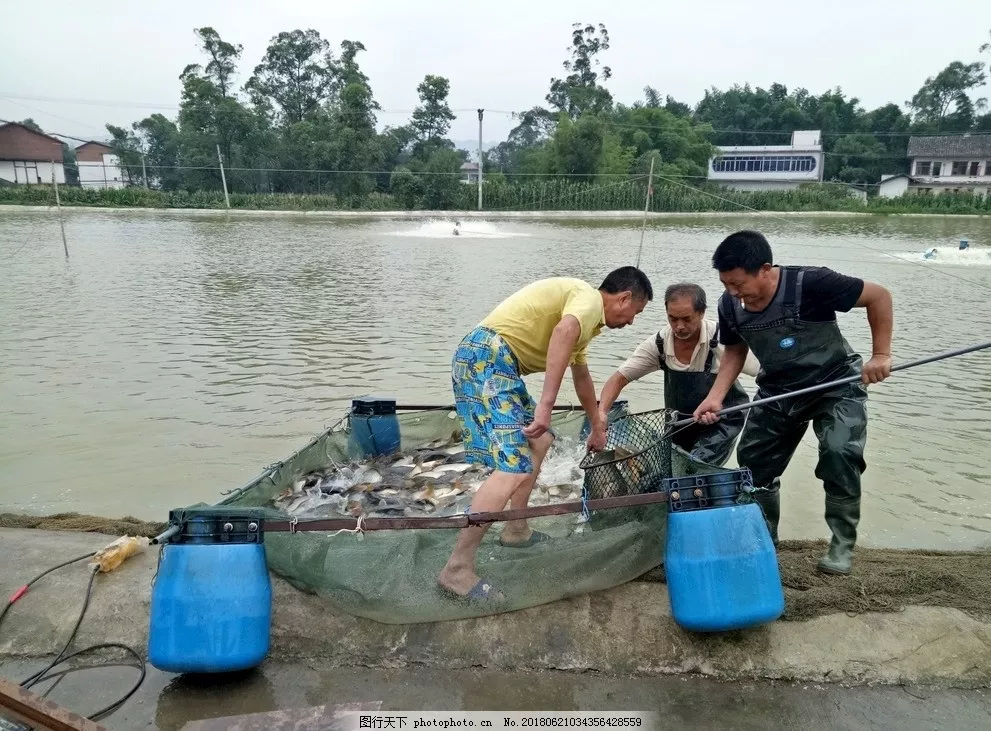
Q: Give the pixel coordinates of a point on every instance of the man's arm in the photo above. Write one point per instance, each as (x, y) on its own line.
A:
(610, 392)
(559, 349)
(585, 389)
(734, 356)
(881, 317)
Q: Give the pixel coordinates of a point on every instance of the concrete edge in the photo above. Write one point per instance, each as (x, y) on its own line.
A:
(623, 631)
(493, 215)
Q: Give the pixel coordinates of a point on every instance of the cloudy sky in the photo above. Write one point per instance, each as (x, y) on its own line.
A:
(74, 66)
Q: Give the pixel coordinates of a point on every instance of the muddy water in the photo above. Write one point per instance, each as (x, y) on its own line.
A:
(177, 354)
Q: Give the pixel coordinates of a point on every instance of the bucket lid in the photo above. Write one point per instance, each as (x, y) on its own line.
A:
(373, 405)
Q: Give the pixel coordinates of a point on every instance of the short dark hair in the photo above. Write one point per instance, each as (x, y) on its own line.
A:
(746, 250)
(686, 289)
(628, 279)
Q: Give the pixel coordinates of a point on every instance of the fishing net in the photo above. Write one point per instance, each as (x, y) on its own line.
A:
(390, 575)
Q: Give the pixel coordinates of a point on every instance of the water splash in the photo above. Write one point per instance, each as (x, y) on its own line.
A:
(470, 229)
(949, 256)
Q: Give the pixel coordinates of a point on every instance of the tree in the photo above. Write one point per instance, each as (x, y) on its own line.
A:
(432, 118)
(296, 74)
(356, 144)
(223, 58)
(580, 91)
(159, 136)
(210, 116)
(932, 101)
(127, 147)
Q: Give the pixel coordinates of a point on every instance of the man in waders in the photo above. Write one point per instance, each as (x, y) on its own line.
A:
(787, 316)
(688, 351)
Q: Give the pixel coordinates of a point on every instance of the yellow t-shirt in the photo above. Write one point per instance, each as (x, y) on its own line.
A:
(525, 320)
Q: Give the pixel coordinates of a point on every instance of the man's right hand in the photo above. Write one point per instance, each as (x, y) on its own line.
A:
(541, 422)
(706, 411)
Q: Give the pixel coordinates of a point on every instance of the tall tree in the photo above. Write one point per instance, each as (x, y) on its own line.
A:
(356, 145)
(432, 118)
(223, 59)
(160, 140)
(580, 91)
(296, 75)
(932, 102)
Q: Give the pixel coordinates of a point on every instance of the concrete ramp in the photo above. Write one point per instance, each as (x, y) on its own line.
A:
(623, 631)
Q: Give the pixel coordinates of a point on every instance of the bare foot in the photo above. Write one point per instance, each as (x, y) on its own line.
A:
(516, 536)
(460, 581)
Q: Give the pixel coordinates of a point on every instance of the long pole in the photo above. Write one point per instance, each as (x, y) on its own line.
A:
(840, 382)
(58, 205)
(144, 172)
(480, 111)
(646, 205)
(223, 177)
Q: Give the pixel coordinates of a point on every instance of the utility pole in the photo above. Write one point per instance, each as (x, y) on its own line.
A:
(223, 177)
(480, 112)
(58, 205)
(144, 172)
(646, 205)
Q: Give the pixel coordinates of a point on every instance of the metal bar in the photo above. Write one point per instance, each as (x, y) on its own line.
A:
(463, 520)
(39, 712)
(838, 382)
(450, 407)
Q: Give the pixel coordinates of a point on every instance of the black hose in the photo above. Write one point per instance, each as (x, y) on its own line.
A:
(42, 675)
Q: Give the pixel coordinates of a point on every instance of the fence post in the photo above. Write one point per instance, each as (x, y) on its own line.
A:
(223, 177)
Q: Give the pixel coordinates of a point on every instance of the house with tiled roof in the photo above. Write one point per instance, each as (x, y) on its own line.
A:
(943, 163)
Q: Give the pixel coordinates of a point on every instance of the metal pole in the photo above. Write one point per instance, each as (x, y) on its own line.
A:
(144, 172)
(223, 177)
(840, 382)
(58, 205)
(646, 205)
(480, 111)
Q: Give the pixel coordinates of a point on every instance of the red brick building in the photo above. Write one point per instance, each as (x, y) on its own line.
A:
(26, 156)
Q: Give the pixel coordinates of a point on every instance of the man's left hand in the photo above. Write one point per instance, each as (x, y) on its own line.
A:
(877, 369)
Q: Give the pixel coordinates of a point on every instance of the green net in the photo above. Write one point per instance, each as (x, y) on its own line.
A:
(390, 575)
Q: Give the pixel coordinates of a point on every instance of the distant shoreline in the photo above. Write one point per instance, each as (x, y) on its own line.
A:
(492, 215)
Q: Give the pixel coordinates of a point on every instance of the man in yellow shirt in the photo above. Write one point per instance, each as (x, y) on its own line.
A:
(544, 327)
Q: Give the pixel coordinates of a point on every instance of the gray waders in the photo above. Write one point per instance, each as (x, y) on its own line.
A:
(794, 354)
(684, 391)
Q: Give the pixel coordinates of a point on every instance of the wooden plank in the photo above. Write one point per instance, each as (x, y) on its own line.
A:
(316, 718)
(22, 705)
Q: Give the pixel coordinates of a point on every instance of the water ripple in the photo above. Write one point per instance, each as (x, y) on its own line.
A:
(176, 355)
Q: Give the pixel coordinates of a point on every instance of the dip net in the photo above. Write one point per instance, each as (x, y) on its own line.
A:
(390, 575)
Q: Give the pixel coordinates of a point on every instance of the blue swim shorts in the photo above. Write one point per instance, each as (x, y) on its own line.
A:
(492, 402)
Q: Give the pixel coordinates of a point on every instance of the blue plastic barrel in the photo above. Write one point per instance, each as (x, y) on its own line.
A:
(720, 564)
(374, 428)
(211, 602)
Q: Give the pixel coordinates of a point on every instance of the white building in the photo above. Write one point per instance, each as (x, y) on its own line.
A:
(770, 167)
(469, 173)
(28, 157)
(948, 163)
(98, 166)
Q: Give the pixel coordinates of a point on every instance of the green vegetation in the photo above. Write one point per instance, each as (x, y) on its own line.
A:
(301, 133)
(552, 195)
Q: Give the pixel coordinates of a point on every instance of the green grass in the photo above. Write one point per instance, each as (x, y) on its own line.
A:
(540, 195)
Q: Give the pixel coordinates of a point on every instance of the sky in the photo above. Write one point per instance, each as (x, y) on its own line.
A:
(80, 65)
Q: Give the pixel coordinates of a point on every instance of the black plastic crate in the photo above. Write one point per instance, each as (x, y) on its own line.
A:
(701, 492)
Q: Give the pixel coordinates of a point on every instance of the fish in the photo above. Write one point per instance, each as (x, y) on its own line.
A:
(436, 479)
